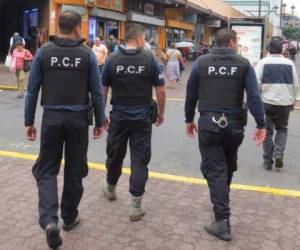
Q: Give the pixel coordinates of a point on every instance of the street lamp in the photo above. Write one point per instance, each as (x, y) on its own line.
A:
(282, 13)
(293, 10)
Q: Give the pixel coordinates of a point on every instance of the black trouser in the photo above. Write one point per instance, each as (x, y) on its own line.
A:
(219, 148)
(139, 135)
(68, 131)
(278, 117)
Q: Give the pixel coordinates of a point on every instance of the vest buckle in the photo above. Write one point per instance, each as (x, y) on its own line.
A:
(222, 121)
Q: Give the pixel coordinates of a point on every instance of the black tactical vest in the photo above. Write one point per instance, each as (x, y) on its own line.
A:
(221, 79)
(131, 77)
(65, 65)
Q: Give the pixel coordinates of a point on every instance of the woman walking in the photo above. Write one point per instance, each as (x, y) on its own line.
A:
(172, 68)
(18, 57)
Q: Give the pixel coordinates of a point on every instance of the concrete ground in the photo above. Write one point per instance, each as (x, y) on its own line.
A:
(176, 213)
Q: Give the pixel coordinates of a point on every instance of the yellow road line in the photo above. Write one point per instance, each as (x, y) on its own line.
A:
(169, 177)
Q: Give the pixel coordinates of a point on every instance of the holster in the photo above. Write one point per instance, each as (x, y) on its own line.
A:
(154, 114)
(244, 114)
(90, 113)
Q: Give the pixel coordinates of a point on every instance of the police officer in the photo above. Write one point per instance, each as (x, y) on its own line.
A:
(217, 83)
(67, 71)
(131, 74)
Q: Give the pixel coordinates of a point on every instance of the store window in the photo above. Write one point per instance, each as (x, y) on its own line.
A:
(134, 5)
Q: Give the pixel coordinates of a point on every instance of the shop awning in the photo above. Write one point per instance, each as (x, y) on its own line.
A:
(108, 14)
(216, 8)
(137, 17)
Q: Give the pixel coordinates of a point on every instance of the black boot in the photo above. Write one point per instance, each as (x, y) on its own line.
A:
(53, 238)
(220, 229)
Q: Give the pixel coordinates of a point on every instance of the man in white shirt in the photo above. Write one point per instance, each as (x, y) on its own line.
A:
(280, 90)
(101, 52)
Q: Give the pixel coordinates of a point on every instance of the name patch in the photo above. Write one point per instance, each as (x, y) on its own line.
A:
(66, 62)
(130, 70)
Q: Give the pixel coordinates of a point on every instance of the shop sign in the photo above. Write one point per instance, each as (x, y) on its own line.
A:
(213, 23)
(149, 9)
(80, 10)
(108, 14)
(110, 4)
(189, 18)
(249, 41)
(135, 17)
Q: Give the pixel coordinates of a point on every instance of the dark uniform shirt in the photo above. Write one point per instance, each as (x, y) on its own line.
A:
(253, 97)
(141, 112)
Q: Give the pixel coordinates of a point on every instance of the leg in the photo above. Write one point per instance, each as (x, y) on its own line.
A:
(45, 172)
(281, 126)
(116, 150)
(233, 141)
(140, 154)
(214, 169)
(75, 170)
(268, 145)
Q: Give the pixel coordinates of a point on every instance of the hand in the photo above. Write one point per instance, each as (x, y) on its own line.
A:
(191, 129)
(106, 124)
(259, 136)
(98, 132)
(160, 120)
(30, 133)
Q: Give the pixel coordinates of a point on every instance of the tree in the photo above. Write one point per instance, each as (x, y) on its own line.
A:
(292, 33)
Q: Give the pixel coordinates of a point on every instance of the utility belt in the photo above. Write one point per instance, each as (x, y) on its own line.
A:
(223, 120)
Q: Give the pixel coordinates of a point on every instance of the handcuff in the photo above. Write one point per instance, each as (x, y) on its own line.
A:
(222, 121)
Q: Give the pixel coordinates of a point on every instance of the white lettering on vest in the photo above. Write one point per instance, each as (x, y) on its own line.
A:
(211, 69)
(66, 61)
(119, 68)
(222, 70)
(77, 61)
(233, 70)
(53, 60)
(141, 69)
(131, 69)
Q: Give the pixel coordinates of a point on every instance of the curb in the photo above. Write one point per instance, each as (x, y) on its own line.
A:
(6, 87)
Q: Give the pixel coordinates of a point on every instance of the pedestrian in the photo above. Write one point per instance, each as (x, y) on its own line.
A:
(19, 56)
(13, 42)
(101, 52)
(118, 45)
(174, 59)
(280, 90)
(217, 83)
(131, 74)
(67, 71)
(160, 56)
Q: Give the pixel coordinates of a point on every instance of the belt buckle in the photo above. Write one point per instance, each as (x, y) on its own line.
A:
(222, 121)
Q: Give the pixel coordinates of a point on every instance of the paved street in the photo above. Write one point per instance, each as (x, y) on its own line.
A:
(176, 210)
(176, 214)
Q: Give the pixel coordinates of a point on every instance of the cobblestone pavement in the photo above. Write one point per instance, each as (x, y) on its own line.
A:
(176, 214)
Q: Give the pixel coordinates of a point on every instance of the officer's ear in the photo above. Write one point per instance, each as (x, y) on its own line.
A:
(77, 31)
(233, 44)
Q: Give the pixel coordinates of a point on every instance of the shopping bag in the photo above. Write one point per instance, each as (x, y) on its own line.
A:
(8, 61)
(12, 67)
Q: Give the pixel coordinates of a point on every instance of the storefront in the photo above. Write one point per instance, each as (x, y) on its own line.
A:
(150, 15)
(106, 24)
(177, 27)
(103, 18)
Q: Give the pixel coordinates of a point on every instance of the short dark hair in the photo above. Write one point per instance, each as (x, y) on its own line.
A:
(133, 31)
(275, 47)
(68, 21)
(19, 43)
(224, 36)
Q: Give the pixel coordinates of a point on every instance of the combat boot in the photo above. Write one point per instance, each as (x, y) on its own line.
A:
(220, 229)
(136, 212)
(109, 192)
(53, 236)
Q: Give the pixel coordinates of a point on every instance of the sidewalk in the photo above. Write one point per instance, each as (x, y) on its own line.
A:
(176, 214)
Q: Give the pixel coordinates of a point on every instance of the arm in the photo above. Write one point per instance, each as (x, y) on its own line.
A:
(159, 84)
(95, 87)
(28, 55)
(258, 72)
(106, 81)
(255, 105)
(34, 84)
(296, 84)
(191, 101)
